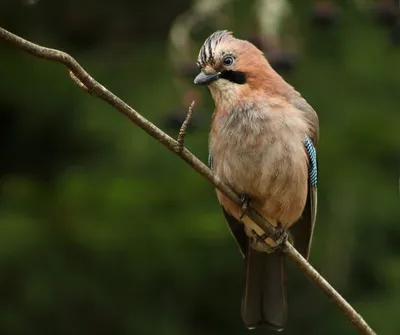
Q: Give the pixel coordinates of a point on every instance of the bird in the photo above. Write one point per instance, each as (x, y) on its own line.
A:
(263, 145)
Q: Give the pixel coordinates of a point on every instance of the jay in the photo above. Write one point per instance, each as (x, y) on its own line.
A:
(262, 144)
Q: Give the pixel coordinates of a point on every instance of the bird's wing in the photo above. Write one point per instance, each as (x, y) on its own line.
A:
(236, 228)
(302, 230)
(238, 233)
(295, 99)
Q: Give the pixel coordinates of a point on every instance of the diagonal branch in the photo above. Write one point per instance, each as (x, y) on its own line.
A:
(90, 85)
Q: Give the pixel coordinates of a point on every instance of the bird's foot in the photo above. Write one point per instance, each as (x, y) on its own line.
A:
(245, 204)
(259, 239)
(280, 238)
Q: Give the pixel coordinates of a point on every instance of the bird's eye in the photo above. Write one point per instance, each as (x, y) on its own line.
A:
(228, 60)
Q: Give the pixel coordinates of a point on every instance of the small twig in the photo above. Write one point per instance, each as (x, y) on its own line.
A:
(182, 131)
(100, 91)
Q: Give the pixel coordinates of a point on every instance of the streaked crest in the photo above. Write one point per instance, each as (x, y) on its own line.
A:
(207, 51)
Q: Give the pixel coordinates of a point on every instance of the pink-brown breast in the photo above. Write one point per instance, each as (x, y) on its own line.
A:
(258, 149)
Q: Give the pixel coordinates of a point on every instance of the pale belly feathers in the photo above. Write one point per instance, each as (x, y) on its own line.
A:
(263, 155)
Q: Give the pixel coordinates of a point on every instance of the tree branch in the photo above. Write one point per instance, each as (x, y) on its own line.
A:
(90, 85)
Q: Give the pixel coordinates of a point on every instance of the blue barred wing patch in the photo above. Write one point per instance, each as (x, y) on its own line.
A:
(210, 160)
(312, 157)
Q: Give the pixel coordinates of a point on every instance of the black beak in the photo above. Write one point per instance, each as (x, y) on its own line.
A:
(206, 78)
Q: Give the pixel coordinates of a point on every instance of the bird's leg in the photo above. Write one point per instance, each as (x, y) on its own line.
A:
(260, 240)
(280, 238)
(245, 204)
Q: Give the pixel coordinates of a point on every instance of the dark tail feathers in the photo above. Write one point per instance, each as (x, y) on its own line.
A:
(264, 296)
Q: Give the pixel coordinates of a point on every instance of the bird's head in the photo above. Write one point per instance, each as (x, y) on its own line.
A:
(231, 67)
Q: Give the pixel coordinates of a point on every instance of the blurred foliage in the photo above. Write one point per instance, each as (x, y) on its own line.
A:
(103, 231)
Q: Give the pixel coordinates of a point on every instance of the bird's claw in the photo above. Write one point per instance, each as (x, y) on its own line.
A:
(245, 204)
(260, 238)
(280, 238)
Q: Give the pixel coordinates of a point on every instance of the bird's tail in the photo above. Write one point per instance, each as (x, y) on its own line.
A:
(264, 295)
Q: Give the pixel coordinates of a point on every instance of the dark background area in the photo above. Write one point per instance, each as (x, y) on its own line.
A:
(103, 231)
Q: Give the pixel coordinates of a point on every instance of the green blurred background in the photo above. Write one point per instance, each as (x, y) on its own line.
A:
(104, 231)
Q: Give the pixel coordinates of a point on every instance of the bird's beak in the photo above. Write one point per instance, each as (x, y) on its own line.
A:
(206, 78)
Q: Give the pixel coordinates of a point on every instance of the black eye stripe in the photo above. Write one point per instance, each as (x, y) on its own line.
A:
(236, 77)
